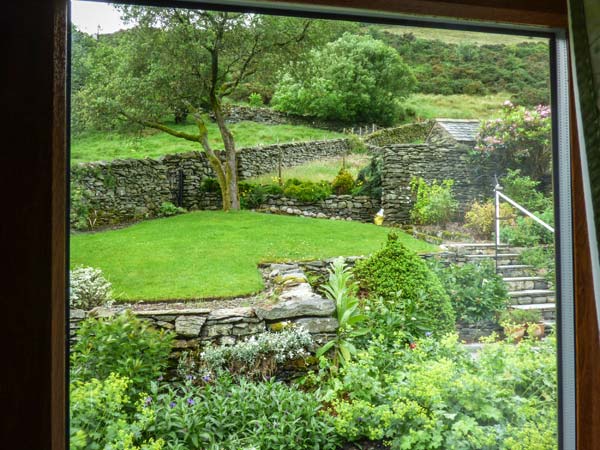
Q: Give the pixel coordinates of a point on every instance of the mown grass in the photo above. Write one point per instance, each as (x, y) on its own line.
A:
(322, 170)
(106, 146)
(208, 254)
(461, 37)
(431, 106)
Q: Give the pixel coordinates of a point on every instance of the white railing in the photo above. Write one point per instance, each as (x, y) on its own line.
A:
(500, 196)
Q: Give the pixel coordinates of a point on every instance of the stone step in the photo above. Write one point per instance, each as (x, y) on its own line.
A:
(525, 283)
(532, 296)
(548, 310)
(516, 270)
(476, 249)
(503, 259)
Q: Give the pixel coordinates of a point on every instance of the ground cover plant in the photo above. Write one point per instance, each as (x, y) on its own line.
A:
(214, 254)
(107, 145)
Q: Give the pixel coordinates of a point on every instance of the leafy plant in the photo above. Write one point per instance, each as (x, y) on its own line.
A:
(252, 195)
(88, 288)
(306, 191)
(341, 289)
(525, 232)
(343, 183)
(368, 181)
(397, 274)
(210, 185)
(258, 356)
(525, 191)
(100, 417)
(232, 415)
(168, 209)
(477, 293)
(434, 204)
(255, 100)
(480, 218)
(542, 258)
(123, 345)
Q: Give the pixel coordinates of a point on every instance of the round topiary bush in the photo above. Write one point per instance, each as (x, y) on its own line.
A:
(396, 274)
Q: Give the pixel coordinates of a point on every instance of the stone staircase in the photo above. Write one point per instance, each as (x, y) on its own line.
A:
(527, 290)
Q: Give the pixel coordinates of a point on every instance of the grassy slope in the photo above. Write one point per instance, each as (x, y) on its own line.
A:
(97, 146)
(430, 106)
(322, 170)
(460, 37)
(214, 254)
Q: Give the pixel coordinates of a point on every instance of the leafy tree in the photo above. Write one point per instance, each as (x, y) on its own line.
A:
(179, 61)
(353, 79)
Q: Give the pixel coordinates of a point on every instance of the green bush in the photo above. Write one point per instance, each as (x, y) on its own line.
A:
(168, 209)
(526, 232)
(397, 274)
(88, 288)
(306, 191)
(542, 258)
(477, 293)
(255, 100)
(368, 181)
(100, 417)
(434, 395)
(124, 345)
(343, 182)
(251, 195)
(434, 204)
(210, 185)
(525, 191)
(228, 415)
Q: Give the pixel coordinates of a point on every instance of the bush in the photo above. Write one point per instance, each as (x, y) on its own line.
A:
(480, 218)
(477, 293)
(542, 258)
(528, 233)
(255, 100)
(238, 415)
(251, 195)
(306, 191)
(368, 181)
(168, 209)
(210, 185)
(398, 275)
(99, 417)
(88, 288)
(343, 182)
(259, 355)
(123, 345)
(525, 191)
(434, 204)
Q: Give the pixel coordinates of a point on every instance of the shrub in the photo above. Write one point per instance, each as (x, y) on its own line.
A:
(343, 182)
(251, 195)
(88, 288)
(259, 355)
(434, 203)
(480, 218)
(168, 209)
(255, 100)
(525, 191)
(99, 417)
(210, 185)
(306, 191)
(234, 415)
(397, 274)
(368, 181)
(542, 258)
(124, 345)
(477, 293)
(526, 232)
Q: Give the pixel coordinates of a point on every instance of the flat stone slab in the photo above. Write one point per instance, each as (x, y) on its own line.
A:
(312, 305)
(170, 312)
(318, 324)
(228, 313)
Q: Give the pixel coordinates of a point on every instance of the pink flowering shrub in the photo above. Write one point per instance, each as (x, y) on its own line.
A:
(521, 138)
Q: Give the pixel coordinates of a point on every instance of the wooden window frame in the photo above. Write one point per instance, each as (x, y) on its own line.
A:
(34, 227)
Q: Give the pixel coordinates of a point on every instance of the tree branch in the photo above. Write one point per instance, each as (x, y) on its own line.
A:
(161, 127)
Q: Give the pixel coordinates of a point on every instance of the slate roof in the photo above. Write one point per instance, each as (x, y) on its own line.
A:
(461, 130)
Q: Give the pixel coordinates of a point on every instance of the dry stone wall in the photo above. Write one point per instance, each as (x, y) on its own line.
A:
(340, 207)
(132, 189)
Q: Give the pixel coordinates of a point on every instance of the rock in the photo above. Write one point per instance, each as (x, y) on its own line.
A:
(227, 340)
(213, 330)
(166, 325)
(318, 324)
(321, 216)
(104, 312)
(77, 314)
(227, 314)
(189, 326)
(299, 306)
(185, 343)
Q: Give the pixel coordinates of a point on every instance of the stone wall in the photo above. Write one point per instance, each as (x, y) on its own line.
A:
(439, 158)
(404, 134)
(124, 190)
(340, 207)
(199, 325)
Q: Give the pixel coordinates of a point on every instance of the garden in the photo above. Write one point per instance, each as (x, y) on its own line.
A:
(304, 258)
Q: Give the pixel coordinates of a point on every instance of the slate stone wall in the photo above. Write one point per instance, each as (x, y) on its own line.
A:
(132, 189)
(339, 207)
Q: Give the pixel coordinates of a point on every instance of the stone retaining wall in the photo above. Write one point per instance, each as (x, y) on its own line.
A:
(294, 301)
(132, 189)
(340, 207)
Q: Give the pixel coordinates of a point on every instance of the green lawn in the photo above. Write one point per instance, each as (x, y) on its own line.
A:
(105, 146)
(458, 106)
(214, 254)
(321, 170)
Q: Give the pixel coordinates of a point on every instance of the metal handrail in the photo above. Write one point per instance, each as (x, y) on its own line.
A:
(499, 196)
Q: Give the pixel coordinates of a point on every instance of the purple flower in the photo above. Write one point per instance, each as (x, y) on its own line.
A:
(148, 401)
(172, 404)
(428, 334)
(190, 401)
(206, 378)
(189, 377)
